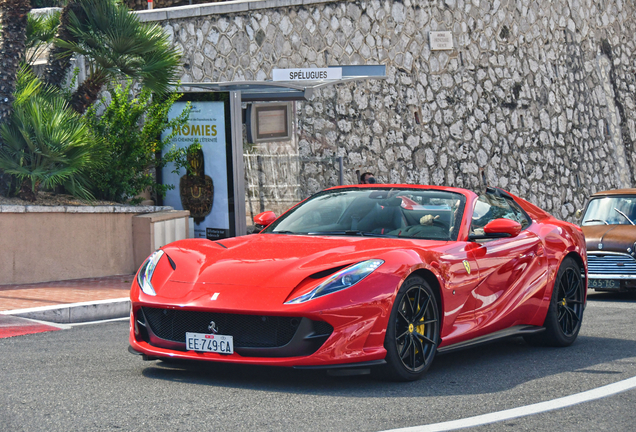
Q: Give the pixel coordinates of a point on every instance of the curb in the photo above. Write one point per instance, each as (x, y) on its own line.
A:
(76, 312)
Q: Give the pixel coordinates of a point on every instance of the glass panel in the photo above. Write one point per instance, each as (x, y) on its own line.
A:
(611, 211)
(489, 207)
(381, 212)
(277, 182)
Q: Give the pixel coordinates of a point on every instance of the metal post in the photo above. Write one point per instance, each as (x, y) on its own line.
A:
(341, 168)
(236, 119)
(261, 174)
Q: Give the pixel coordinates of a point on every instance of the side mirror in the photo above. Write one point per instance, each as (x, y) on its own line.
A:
(498, 228)
(578, 213)
(265, 218)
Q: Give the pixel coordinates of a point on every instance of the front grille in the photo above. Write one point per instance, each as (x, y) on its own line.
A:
(322, 328)
(248, 331)
(611, 264)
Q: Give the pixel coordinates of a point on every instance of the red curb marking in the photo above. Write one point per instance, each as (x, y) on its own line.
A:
(20, 331)
(13, 326)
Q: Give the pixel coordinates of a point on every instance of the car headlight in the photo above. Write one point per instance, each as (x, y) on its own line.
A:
(144, 277)
(343, 279)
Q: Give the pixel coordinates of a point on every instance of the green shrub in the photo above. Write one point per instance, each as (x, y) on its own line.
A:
(130, 129)
(45, 143)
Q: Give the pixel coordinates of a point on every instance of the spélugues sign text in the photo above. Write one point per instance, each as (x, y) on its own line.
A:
(303, 74)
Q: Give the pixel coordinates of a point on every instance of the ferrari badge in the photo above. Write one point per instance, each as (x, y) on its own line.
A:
(467, 266)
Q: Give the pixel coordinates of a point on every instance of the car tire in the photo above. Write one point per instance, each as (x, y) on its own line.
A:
(565, 313)
(412, 333)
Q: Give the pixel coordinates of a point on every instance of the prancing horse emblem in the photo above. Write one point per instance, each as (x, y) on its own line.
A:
(212, 327)
(467, 266)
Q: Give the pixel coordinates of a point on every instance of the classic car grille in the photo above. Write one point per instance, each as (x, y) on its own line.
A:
(611, 264)
(253, 331)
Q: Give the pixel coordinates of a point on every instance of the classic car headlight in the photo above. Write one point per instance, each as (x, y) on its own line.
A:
(341, 280)
(144, 276)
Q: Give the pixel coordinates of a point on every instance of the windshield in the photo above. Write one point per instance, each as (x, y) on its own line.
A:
(403, 213)
(619, 210)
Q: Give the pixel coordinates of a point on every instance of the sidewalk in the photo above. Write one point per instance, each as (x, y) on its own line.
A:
(71, 301)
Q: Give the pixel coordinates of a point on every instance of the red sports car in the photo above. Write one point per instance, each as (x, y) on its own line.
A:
(377, 277)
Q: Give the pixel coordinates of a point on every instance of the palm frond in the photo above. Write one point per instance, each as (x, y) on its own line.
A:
(45, 141)
(117, 43)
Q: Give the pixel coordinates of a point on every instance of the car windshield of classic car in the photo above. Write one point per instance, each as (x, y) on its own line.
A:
(379, 212)
(615, 210)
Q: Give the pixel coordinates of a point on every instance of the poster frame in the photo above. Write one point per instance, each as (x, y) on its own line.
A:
(229, 149)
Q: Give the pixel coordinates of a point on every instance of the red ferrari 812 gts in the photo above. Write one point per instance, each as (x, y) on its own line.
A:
(381, 277)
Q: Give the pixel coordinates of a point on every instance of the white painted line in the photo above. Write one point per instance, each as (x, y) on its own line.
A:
(98, 322)
(62, 306)
(564, 402)
(50, 324)
(612, 305)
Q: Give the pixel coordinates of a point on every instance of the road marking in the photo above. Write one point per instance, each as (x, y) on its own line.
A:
(613, 305)
(564, 402)
(14, 326)
(99, 322)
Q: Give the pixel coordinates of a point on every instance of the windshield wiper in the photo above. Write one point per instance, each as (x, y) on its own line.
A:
(284, 232)
(351, 233)
(596, 220)
(624, 215)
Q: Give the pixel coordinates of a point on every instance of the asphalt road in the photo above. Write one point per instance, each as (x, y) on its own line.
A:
(83, 379)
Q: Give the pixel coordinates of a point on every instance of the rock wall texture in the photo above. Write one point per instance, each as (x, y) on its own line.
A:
(536, 97)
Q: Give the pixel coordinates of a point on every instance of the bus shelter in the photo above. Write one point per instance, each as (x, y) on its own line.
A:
(214, 188)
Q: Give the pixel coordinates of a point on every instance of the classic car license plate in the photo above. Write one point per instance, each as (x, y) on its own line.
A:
(210, 343)
(604, 283)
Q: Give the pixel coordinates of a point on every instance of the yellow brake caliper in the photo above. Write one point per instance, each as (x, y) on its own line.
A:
(419, 328)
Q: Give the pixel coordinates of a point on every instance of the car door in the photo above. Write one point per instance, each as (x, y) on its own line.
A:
(461, 275)
(511, 270)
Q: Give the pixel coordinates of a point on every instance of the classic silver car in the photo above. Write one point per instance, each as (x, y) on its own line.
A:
(608, 224)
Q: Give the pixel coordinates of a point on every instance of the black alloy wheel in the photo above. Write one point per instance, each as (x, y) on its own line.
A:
(570, 301)
(413, 331)
(565, 313)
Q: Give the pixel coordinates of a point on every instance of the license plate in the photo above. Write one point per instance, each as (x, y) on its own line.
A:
(209, 343)
(604, 283)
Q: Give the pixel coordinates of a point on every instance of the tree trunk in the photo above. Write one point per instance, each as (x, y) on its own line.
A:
(87, 92)
(12, 47)
(27, 191)
(59, 61)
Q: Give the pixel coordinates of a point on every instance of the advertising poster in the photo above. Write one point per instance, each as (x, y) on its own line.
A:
(205, 190)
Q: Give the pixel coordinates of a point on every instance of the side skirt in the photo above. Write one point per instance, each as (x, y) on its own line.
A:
(501, 334)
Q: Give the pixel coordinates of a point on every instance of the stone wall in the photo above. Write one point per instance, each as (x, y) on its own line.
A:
(536, 97)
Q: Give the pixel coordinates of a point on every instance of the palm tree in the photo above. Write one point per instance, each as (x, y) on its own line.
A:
(59, 60)
(12, 44)
(45, 143)
(115, 44)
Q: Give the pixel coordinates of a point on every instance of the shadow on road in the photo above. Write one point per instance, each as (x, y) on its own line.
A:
(627, 297)
(487, 369)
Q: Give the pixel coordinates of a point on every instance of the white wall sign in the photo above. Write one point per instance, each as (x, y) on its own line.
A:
(306, 74)
(440, 40)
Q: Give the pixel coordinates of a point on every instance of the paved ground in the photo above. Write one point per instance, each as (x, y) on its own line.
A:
(83, 378)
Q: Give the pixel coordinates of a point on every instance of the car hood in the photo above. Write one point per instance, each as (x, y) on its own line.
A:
(615, 238)
(274, 260)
